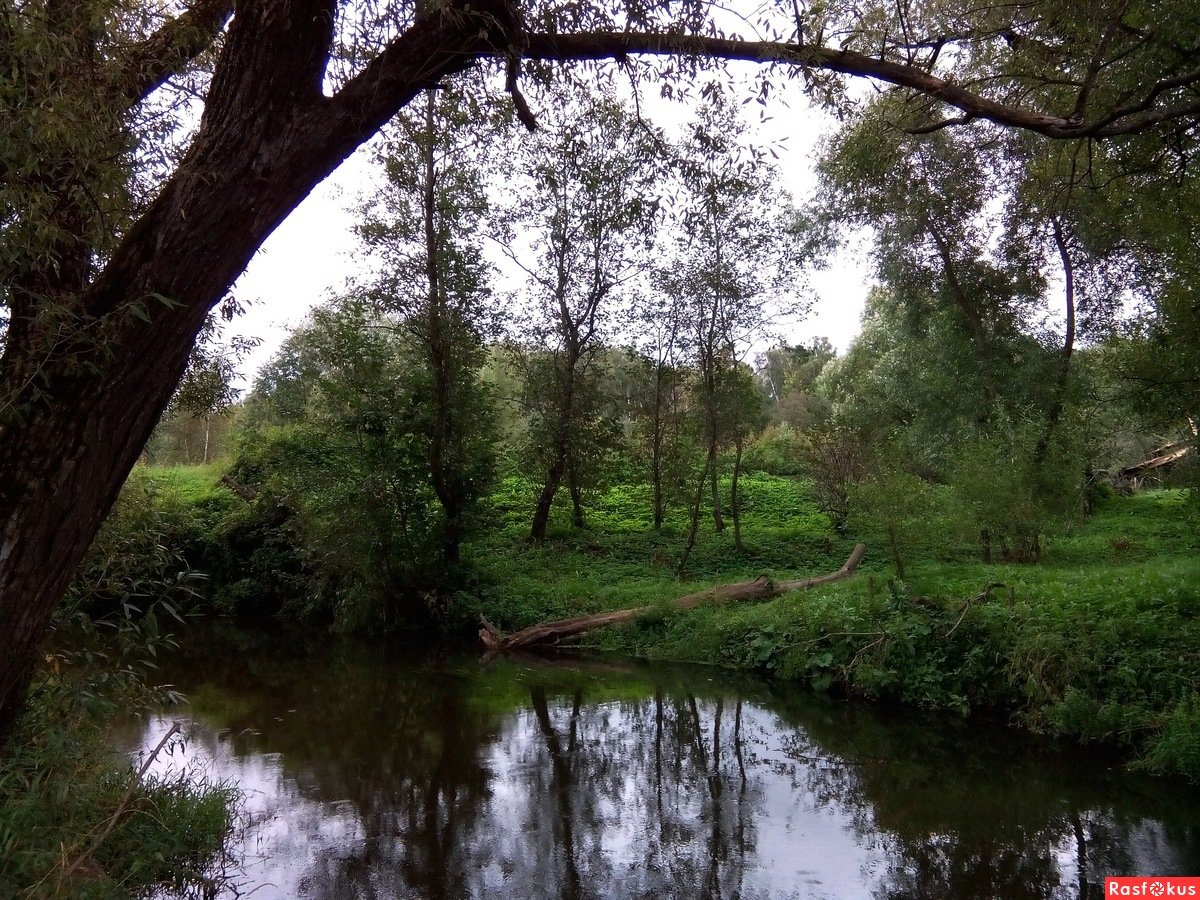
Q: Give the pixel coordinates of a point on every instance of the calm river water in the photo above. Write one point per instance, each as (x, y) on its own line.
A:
(373, 772)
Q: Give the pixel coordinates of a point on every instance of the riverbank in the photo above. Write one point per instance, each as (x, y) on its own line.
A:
(76, 821)
(1098, 642)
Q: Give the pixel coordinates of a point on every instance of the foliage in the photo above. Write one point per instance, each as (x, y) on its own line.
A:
(75, 821)
(578, 220)
(423, 230)
(140, 560)
(1096, 643)
(835, 458)
(66, 798)
(904, 516)
(351, 481)
(776, 450)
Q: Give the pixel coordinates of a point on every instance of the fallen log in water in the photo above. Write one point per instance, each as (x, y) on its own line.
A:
(761, 588)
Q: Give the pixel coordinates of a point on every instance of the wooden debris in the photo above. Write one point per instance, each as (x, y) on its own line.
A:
(761, 588)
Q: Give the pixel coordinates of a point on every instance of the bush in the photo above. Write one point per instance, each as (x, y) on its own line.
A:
(76, 823)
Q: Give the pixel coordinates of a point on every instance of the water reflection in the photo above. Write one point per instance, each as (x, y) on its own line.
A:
(368, 776)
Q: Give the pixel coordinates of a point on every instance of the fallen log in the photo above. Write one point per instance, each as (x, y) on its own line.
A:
(761, 588)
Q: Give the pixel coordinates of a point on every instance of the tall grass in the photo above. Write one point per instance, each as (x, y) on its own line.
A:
(77, 822)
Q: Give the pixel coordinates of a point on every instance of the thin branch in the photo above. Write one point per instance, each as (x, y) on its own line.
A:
(938, 126)
(122, 806)
(1097, 62)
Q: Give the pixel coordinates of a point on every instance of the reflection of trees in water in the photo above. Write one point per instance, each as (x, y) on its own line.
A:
(640, 798)
(457, 784)
(962, 815)
(407, 751)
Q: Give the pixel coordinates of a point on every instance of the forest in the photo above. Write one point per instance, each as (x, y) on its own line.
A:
(558, 384)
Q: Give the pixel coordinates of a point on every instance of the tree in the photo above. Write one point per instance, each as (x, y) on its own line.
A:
(586, 202)
(353, 469)
(735, 265)
(787, 375)
(113, 256)
(661, 385)
(423, 228)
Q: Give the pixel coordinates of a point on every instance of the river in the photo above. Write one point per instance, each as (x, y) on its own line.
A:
(373, 771)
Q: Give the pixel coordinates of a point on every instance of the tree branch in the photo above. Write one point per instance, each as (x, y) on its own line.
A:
(1097, 62)
(436, 45)
(611, 45)
(147, 65)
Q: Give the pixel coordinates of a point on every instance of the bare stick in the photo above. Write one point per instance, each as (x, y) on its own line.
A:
(119, 812)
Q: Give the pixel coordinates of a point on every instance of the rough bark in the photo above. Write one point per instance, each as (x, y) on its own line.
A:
(761, 588)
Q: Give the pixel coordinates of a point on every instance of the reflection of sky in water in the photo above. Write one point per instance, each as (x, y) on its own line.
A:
(631, 799)
(283, 834)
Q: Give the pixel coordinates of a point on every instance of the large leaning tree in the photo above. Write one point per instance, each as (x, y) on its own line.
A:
(112, 253)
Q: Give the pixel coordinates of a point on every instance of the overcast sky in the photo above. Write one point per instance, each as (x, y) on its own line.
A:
(310, 255)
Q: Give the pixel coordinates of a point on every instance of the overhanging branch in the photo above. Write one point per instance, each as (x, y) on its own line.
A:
(599, 45)
(147, 65)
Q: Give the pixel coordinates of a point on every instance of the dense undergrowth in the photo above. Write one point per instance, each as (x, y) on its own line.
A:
(1099, 641)
(76, 821)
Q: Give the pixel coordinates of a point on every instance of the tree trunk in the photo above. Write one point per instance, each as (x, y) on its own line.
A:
(76, 413)
(761, 588)
(439, 355)
(974, 318)
(734, 499)
(656, 446)
(1063, 373)
(657, 486)
(562, 447)
(545, 500)
(576, 490)
(694, 525)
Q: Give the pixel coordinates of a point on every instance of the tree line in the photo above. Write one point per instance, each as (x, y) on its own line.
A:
(646, 267)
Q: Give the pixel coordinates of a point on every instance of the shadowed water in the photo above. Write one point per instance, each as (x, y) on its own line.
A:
(389, 773)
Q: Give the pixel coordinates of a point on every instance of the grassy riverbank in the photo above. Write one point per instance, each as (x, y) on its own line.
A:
(1099, 641)
(77, 822)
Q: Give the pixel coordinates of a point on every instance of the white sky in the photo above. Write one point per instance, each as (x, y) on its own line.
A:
(309, 255)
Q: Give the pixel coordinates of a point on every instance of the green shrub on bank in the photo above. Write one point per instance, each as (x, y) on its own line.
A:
(76, 823)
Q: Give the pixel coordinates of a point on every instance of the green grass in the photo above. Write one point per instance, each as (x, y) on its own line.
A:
(188, 484)
(75, 822)
(1099, 642)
